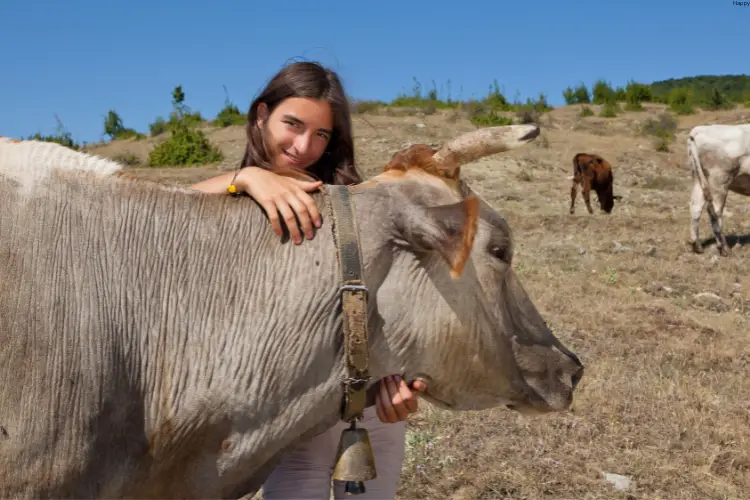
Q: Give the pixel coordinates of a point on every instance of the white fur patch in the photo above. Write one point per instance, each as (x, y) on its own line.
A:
(732, 140)
(29, 162)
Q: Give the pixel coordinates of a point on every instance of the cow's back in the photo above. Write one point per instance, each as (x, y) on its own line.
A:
(593, 166)
(731, 141)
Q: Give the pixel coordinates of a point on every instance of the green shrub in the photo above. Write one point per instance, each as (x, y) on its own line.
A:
(158, 127)
(490, 119)
(603, 92)
(662, 129)
(578, 95)
(429, 102)
(620, 95)
(364, 106)
(532, 110)
(114, 128)
(717, 100)
(609, 109)
(229, 115)
(635, 94)
(129, 133)
(63, 137)
(187, 145)
(681, 101)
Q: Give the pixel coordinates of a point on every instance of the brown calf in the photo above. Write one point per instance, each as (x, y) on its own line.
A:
(592, 171)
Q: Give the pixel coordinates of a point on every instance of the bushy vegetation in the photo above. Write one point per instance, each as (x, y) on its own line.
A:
(494, 109)
(229, 114)
(188, 145)
(62, 137)
(733, 88)
(682, 95)
(114, 128)
(662, 129)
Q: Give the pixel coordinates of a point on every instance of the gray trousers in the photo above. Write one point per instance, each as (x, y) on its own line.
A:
(305, 473)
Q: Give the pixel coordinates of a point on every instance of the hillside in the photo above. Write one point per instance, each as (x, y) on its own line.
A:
(735, 87)
(663, 332)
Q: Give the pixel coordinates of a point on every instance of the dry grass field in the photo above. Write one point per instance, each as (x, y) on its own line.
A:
(664, 333)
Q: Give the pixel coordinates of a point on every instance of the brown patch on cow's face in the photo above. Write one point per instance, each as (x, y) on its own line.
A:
(422, 157)
(467, 233)
(415, 163)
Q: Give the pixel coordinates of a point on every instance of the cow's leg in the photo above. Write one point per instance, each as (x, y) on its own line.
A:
(719, 192)
(573, 192)
(696, 209)
(586, 193)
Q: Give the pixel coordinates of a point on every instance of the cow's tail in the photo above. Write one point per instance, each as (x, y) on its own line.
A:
(695, 163)
(576, 166)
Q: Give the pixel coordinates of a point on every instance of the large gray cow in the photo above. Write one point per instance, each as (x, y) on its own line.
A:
(160, 342)
(719, 159)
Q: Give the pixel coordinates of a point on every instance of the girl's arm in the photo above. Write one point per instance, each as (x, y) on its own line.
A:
(280, 196)
(215, 185)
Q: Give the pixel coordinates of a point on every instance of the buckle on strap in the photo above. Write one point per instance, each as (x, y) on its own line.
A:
(354, 287)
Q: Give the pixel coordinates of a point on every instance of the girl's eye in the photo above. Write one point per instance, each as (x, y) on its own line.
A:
(292, 124)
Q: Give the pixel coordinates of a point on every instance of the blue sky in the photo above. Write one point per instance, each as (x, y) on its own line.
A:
(78, 59)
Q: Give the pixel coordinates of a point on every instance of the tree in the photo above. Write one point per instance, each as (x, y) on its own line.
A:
(113, 124)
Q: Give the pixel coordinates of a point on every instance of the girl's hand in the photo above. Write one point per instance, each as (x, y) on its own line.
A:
(396, 400)
(277, 193)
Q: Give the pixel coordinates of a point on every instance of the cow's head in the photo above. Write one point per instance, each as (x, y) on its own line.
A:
(453, 311)
(606, 198)
(605, 183)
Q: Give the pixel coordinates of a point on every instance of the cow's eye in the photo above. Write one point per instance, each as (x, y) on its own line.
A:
(498, 252)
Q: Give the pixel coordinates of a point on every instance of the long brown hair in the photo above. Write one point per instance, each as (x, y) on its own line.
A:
(307, 80)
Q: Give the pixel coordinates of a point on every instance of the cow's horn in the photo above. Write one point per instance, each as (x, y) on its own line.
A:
(473, 145)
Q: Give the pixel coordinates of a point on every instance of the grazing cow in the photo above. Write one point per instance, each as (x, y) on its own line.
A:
(592, 171)
(719, 159)
(162, 342)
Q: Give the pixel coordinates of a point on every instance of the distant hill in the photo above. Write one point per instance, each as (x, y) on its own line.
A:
(735, 87)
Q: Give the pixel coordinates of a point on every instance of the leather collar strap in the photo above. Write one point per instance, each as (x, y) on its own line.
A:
(353, 303)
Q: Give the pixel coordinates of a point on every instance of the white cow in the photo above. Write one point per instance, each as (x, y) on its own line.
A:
(719, 157)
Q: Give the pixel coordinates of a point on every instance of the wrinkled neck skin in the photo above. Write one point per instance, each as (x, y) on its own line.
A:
(258, 335)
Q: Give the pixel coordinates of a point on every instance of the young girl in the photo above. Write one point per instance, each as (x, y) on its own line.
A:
(302, 121)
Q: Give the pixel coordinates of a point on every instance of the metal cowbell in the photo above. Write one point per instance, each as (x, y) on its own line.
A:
(356, 460)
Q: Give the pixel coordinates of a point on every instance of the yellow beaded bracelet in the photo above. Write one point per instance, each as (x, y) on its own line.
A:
(232, 188)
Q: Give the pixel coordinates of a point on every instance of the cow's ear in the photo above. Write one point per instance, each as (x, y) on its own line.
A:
(446, 229)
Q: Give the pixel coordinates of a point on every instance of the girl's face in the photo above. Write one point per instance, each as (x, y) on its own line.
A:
(297, 131)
